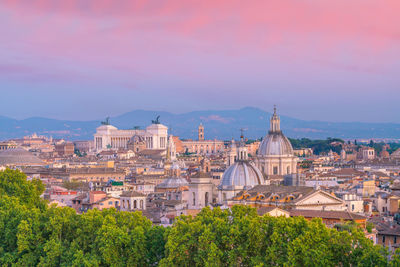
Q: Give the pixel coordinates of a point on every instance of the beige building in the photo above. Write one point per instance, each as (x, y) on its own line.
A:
(202, 146)
(65, 149)
(201, 191)
(7, 145)
(367, 153)
(132, 201)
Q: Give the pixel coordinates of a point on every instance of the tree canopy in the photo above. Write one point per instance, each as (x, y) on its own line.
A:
(318, 146)
(34, 234)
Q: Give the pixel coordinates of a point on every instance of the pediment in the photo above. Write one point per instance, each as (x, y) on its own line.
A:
(319, 197)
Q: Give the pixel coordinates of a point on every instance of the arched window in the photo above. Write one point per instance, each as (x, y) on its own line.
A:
(206, 199)
(194, 198)
(135, 204)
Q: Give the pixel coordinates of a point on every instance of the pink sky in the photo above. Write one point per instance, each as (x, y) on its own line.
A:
(251, 53)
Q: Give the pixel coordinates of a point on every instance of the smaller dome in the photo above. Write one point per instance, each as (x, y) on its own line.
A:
(275, 144)
(172, 183)
(241, 175)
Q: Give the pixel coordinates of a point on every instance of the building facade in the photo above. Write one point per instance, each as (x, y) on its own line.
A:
(202, 146)
(108, 137)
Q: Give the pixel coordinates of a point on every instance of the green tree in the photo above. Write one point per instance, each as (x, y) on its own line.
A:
(14, 183)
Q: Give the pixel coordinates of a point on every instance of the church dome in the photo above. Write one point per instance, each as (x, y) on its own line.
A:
(242, 174)
(275, 144)
(19, 156)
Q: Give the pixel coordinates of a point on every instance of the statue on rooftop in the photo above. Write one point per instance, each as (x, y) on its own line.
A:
(106, 122)
(156, 121)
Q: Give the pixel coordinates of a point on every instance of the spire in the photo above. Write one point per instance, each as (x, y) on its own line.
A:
(275, 122)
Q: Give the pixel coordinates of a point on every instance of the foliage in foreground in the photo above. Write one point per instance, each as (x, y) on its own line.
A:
(32, 234)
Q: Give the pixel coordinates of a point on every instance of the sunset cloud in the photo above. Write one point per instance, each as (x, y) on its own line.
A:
(197, 46)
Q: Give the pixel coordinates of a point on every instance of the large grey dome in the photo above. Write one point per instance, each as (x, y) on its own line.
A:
(18, 156)
(242, 174)
(275, 144)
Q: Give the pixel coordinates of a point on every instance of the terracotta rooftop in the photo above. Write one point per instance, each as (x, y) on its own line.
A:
(132, 194)
(325, 214)
(347, 172)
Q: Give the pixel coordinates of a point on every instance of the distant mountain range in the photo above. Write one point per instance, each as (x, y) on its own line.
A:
(220, 124)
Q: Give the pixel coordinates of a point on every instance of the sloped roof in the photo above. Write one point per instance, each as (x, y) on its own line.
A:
(132, 194)
(172, 182)
(327, 214)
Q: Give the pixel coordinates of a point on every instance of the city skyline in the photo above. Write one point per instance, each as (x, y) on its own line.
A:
(329, 61)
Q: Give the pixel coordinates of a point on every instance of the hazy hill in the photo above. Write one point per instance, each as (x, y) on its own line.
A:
(221, 124)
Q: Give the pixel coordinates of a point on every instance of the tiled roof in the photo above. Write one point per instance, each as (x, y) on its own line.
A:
(347, 172)
(263, 210)
(325, 214)
(296, 193)
(132, 194)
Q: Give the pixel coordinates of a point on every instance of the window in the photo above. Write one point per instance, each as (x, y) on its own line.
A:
(224, 196)
(275, 170)
(352, 207)
(135, 204)
(194, 198)
(110, 202)
(206, 199)
(141, 204)
(383, 240)
(395, 240)
(288, 170)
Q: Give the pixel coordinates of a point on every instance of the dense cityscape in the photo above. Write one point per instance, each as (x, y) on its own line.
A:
(199, 133)
(166, 178)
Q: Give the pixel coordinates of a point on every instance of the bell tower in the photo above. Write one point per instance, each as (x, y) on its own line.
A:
(201, 132)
